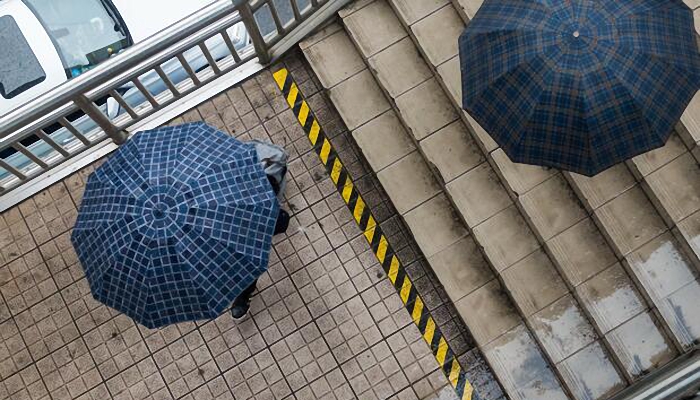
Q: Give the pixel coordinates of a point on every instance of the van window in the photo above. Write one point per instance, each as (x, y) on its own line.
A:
(85, 32)
(20, 70)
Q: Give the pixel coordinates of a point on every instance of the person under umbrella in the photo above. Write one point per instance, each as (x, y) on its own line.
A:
(579, 85)
(274, 161)
(176, 225)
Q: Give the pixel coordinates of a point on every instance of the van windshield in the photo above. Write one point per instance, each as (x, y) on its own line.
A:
(22, 70)
(85, 32)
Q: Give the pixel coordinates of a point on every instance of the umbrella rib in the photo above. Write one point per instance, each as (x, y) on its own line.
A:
(542, 55)
(532, 111)
(661, 59)
(545, 52)
(613, 75)
(622, 82)
(198, 283)
(655, 8)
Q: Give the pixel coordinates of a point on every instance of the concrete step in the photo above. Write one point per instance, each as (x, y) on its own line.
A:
(446, 242)
(670, 176)
(549, 205)
(474, 187)
(551, 208)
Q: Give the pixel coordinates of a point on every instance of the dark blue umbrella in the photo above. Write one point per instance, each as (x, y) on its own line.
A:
(579, 84)
(176, 225)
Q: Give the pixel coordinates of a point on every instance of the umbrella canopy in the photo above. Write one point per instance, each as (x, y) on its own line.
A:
(579, 84)
(176, 225)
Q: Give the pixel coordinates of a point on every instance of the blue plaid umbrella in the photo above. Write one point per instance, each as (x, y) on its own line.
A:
(579, 84)
(176, 225)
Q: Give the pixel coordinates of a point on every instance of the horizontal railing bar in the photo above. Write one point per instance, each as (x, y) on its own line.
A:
(175, 51)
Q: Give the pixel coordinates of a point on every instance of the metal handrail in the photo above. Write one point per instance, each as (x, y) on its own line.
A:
(679, 380)
(81, 139)
(65, 93)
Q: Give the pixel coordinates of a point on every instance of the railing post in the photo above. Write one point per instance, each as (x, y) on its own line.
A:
(248, 18)
(119, 136)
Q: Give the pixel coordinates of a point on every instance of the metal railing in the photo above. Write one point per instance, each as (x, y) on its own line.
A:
(679, 380)
(145, 86)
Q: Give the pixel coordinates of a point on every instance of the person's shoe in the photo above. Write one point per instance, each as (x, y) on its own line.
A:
(238, 311)
(282, 223)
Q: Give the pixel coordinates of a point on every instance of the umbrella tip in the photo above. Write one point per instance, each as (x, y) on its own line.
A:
(577, 34)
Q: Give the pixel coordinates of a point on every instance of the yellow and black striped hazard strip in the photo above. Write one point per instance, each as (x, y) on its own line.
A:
(376, 238)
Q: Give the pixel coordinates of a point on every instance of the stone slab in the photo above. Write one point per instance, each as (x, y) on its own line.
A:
(483, 138)
(383, 140)
(600, 189)
(506, 238)
(461, 268)
(611, 298)
(534, 283)
(399, 67)
(520, 178)
(374, 27)
(691, 118)
(451, 74)
(581, 252)
(478, 194)
(437, 34)
(334, 59)
(630, 221)
(411, 11)
(645, 164)
(488, 312)
(435, 225)
(425, 109)
(563, 328)
(552, 207)
(522, 369)
(408, 182)
(452, 151)
(688, 232)
(661, 267)
(675, 187)
(591, 374)
(359, 100)
(641, 345)
(470, 7)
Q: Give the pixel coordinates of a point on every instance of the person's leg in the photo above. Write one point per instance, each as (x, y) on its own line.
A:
(242, 303)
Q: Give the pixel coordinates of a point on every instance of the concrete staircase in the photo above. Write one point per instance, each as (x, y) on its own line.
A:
(572, 287)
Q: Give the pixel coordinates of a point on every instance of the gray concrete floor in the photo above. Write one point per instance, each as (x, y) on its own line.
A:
(325, 323)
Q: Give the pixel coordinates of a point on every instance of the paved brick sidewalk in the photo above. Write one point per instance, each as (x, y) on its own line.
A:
(326, 323)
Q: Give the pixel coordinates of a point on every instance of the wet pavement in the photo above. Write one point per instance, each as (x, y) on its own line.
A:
(326, 323)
